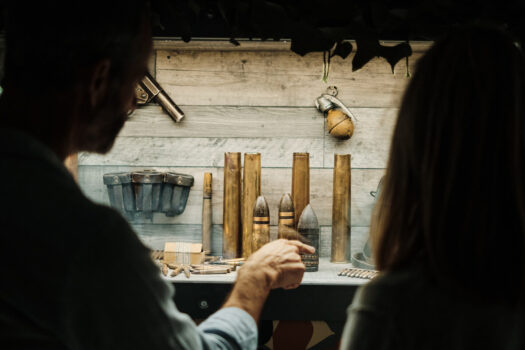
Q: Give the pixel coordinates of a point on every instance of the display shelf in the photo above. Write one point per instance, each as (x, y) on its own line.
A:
(327, 275)
(322, 295)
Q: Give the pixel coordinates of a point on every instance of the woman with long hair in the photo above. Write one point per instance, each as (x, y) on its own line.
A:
(448, 231)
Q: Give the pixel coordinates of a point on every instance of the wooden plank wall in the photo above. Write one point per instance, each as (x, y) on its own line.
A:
(258, 97)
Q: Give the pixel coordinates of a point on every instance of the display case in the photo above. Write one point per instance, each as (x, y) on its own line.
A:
(258, 97)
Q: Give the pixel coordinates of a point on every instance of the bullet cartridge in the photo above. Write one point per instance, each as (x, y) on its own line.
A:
(186, 270)
(176, 271)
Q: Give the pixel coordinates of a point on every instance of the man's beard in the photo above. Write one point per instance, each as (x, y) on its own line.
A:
(108, 136)
(100, 135)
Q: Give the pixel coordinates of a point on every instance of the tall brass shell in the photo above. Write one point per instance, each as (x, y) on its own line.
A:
(206, 213)
(251, 189)
(300, 183)
(231, 205)
(339, 124)
(341, 209)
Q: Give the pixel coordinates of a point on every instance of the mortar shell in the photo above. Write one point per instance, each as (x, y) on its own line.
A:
(261, 223)
(286, 218)
(308, 228)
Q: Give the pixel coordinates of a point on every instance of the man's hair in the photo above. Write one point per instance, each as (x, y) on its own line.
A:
(454, 192)
(47, 42)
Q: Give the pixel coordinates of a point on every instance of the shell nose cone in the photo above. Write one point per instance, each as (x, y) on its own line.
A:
(286, 203)
(260, 209)
(308, 218)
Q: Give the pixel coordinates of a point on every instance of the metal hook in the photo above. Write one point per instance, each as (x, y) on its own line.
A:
(332, 90)
(340, 105)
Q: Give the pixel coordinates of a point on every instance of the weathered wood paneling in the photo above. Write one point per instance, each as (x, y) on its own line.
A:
(227, 121)
(275, 182)
(280, 78)
(203, 152)
(152, 62)
(258, 97)
(369, 145)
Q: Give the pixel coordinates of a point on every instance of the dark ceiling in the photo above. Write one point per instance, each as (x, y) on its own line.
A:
(318, 25)
(335, 19)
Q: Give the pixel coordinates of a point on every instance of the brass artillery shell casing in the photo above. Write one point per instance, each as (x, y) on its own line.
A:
(308, 228)
(286, 218)
(261, 223)
(251, 189)
(206, 213)
(165, 269)
(300, 184)
(231, 205)
(341, 209)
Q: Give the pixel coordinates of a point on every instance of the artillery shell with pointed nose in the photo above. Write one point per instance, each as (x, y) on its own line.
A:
(286, 218)
(308, 228)
(261, 223)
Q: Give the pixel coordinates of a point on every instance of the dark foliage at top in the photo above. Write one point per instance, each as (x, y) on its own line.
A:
(321, 25)
(318, 25)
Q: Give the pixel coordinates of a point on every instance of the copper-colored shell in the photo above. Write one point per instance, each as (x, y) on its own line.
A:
(339, 124)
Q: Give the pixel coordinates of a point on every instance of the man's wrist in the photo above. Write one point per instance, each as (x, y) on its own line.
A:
(250, 291)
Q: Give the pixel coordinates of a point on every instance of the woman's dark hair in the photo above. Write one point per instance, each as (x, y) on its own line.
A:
(47, 42)
(454, 192)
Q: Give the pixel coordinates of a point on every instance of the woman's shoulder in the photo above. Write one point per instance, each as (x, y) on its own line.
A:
(392, 290)
(408, 307)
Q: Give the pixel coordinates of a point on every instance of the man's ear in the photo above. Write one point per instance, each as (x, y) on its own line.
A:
(99, 81)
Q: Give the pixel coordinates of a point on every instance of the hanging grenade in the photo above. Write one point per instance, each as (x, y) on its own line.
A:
(340, 122)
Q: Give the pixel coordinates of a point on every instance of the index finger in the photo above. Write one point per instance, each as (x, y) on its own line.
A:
(303, 248)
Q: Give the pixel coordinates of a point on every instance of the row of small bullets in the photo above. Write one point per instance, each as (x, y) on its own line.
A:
(213, 267)
(197, 269)
(176, 269)
(358, 273)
